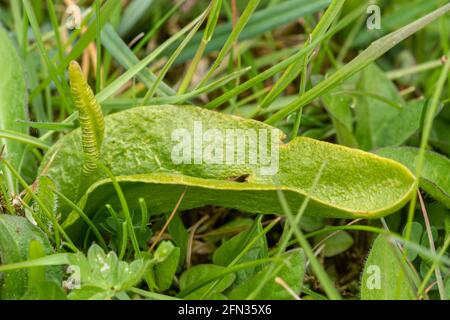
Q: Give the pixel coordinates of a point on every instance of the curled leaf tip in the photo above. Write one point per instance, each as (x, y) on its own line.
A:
(90, 117)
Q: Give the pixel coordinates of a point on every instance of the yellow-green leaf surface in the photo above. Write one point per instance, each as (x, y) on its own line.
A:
(138, 144)
(12, 102)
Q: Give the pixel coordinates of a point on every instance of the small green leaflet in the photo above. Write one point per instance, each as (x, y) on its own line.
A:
(385, 275)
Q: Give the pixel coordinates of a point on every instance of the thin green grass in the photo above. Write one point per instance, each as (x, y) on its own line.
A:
(125, 210)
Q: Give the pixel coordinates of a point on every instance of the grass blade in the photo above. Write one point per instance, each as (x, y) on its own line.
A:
(293, 70)
(281, 65)
(207, 35)
(373, 52)
(260, 22)
(130, 73)
(24, 138)
(172, 58)
(240, 24)
(123, 54)
(55, 75)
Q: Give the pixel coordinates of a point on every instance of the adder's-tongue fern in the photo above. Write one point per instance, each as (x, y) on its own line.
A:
(90, 117)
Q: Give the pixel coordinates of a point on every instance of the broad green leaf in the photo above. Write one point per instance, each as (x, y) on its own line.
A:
(16, 235)
(399, 128)
(179, 235)
(338, 243)
(230, 249)
(13, 97)
(440, 133)
(425, 243)
(424, 268)
(339, 106)
(435, 177)
(310, 223)
(372, 113)
(291, 270)
(385, 275)
(165, 270)
(416, 236)
(138, 147)
(203, 271)
(437, 214)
